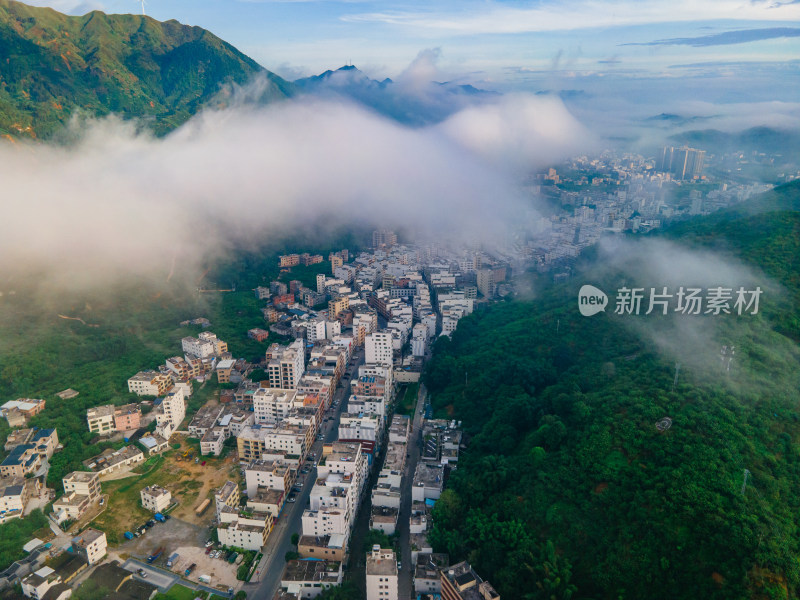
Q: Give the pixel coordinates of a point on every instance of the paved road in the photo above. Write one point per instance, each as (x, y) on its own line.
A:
(155, 576)
(406, 574)
(267, 578)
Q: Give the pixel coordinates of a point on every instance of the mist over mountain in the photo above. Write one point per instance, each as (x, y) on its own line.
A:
(409, 100)
(57, 66)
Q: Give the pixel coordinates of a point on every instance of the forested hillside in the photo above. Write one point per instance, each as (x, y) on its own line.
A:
(55, 66)
(569, 490)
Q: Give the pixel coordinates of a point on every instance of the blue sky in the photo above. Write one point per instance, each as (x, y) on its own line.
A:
(670, 55)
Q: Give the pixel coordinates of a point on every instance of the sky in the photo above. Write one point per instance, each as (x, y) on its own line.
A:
(503, 45)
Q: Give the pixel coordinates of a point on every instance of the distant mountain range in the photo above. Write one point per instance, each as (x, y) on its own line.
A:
(755, 139)
(57, 66)
(53, 66)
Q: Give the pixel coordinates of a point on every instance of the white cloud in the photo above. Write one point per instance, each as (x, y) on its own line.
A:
(118, 204)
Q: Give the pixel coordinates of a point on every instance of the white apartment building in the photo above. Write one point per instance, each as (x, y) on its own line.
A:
(285, 364)
(378, 348)
(271, 405)
(171, 412)
(360, 427)
(149, 383)
(155, 498)
(270, 474)
(315, 329)
(197, 347)
(91, 544)
(335, 497)
(381, 574)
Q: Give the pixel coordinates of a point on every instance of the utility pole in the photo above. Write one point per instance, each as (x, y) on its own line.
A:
(677, 370)
(744, 483)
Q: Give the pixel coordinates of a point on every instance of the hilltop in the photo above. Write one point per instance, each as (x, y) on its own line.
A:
(57, 66)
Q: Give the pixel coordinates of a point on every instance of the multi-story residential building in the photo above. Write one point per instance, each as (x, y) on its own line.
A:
(269, 474)
(17, 437)
(262, 293)
(228, 495)
(461, 582)
(127, 417)
(244, 530)
(428, 482)
(258, 334)
(224, 370)
(285, 364)
(15, 492)
(271, 405)
(360, 427)
(46, 442)
(23, 407)
(325, 547)
(288, 260)
(23, 460)
(197, 347)
(381, 574)
(336, 306)
(322, 386)
(291, 440)
(427, 573)
(378, 347)
(111, 461)
(149, 383)
(91, 545)
(335, 497)
(81, 489)
(383, 238)
(155, 498)
(309, 578)
(36, 585)
(101, 419)
(181, 369)
(171, 412)
(204, 419)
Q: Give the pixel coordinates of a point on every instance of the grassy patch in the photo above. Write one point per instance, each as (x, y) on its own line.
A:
(15, 534)
(408, 401)
(178, 592)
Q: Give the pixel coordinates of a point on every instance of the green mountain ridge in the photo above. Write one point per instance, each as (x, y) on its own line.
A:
(55, 66)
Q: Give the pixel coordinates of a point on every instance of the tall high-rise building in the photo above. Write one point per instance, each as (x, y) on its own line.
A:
(383, 238)
(683, 162)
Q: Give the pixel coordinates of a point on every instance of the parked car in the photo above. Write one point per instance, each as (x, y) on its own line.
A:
(142, 573)
(291, 499)
(203, 464)
(208, 549)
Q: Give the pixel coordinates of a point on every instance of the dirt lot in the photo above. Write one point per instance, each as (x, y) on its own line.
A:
(189, 482)
(221, 572)
(186, 539)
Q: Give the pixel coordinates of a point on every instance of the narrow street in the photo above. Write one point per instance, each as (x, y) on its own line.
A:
(406, 573)
(267, 576)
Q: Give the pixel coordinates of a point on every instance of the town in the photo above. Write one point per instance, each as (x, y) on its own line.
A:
(318, 465)
(274, 486)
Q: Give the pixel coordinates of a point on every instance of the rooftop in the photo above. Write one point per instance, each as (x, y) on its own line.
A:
(318, 571)
(87, 536)
(381, 562)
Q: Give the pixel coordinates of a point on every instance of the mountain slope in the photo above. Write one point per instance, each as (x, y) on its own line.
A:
(567, 482)
(57, 65)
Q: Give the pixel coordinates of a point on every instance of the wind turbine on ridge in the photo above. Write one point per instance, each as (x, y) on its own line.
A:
(142, 3)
